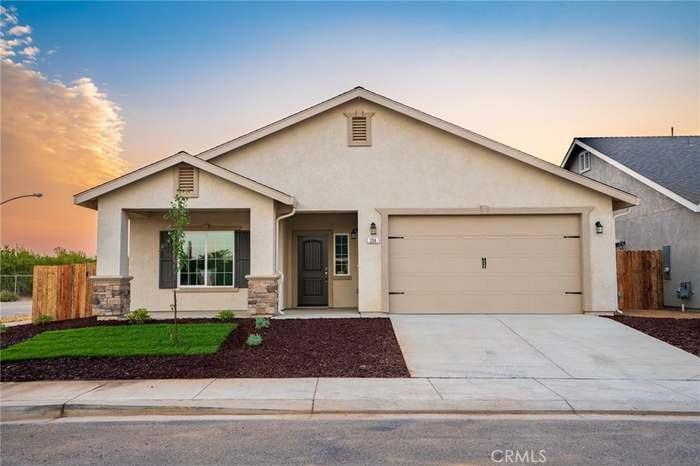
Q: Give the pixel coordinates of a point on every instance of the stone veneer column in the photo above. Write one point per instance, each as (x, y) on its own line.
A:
(110, 296)
(263, 294)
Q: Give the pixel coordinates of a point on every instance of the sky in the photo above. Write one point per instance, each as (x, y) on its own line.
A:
(91, 90)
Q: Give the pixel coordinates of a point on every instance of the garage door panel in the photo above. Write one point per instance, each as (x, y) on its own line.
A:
(532, 261)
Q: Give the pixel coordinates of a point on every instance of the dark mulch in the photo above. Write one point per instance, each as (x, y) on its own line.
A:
(291, 348)
(683, 333)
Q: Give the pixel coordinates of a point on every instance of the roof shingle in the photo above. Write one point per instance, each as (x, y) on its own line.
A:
(671, 161)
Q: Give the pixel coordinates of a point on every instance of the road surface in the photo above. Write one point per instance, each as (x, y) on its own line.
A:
(457, 440)
(15, 308)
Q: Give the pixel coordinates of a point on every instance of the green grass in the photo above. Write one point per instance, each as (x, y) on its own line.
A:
(122, 340)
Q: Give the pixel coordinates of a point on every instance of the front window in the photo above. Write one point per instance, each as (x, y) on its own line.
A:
(342, 254)
(209, 259)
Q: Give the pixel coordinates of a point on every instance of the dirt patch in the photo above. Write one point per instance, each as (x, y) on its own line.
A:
(683, 333)
(291, 348)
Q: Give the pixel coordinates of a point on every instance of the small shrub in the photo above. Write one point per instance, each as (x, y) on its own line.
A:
(138, 316)
(3, 327)
(226, 316)
(262, 322)
(7, 295)
(44, 319)
(254, 339)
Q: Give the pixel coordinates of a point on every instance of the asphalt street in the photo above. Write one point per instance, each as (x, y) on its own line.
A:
(473, 440)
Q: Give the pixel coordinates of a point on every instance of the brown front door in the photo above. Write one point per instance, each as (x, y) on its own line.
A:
(313, 271)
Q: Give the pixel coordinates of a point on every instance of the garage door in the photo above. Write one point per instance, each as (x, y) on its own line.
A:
(485, 264)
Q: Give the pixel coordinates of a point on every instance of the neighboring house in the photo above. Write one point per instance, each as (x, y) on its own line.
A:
(664, 172)
(359, 202)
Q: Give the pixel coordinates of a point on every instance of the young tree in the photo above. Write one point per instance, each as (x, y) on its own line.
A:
(178, 218)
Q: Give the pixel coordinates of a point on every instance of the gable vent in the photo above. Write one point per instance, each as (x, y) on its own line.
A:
(187, 180)
(359, 128)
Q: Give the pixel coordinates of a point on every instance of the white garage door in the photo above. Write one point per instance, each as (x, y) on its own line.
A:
(485, 264)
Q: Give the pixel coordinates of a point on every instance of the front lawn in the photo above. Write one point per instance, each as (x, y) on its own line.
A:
(122, 340)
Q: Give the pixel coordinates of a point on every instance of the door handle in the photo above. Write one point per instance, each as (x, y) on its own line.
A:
(325, 273)
(483, 262)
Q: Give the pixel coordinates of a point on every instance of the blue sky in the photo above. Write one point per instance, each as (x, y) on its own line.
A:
(159, 59)
(188, 76)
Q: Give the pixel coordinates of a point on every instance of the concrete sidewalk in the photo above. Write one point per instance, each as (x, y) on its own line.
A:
(343, 395)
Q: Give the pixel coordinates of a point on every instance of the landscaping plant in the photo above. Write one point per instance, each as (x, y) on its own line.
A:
(138, 316)
(44, 319)
(3, 327)
(254, 339)
(7, 295)
(262, 322)
(226, 316)
(178, 218)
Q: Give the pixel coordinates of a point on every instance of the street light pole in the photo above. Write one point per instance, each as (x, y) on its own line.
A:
(20, 197)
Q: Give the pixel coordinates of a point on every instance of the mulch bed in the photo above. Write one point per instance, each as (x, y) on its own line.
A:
(291, 348)
(683, 333)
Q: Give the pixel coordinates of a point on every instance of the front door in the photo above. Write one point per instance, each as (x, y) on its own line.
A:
(313, 271)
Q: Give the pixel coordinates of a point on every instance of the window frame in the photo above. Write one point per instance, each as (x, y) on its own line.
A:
(335, 257)
(206, 262)
(584, 162)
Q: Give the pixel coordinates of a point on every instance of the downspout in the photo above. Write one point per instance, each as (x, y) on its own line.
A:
(277, 252)
(616, 215)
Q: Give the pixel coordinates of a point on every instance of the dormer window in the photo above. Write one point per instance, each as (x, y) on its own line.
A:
(359, 128)
(584, 162)
(187, 180)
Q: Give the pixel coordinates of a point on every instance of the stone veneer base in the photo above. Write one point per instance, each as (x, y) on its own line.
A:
(111, 296)
(263, 294)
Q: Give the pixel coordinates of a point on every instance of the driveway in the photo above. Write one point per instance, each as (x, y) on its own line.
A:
(536, 346)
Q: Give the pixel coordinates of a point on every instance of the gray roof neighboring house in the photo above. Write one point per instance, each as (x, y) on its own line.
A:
(672, 162)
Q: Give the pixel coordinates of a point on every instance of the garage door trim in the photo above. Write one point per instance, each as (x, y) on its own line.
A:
(586, 231)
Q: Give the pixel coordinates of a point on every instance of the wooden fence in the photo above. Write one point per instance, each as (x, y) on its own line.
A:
(62, 291)
(640, 282)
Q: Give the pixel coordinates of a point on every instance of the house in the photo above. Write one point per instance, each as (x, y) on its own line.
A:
(364, 203)
(664, 172)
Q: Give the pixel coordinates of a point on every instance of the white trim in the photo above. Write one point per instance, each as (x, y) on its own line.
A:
(657, 187)
(347, 235)
(626, 199)
(206, 262)
(584, 162)
(87, 198)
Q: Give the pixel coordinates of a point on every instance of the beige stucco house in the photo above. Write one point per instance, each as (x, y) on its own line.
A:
(359, 202)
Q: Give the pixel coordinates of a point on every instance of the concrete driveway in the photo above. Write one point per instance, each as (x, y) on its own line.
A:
(536, 346)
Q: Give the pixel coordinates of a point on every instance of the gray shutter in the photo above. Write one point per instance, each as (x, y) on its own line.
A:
(167, 275)
(242, 253)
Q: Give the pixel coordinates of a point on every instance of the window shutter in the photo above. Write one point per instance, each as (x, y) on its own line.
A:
(242, 258)
(167, 273)
(187, 180)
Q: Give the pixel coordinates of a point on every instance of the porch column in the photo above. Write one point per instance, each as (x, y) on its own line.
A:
(111, 291)
(263, 290)
(369, 262)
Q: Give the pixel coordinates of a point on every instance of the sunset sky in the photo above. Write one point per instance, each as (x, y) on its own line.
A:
(90, 90)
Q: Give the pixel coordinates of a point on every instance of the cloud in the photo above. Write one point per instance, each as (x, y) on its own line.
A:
(30, 52)
(58, 139)
(20, 30)
(8, 15)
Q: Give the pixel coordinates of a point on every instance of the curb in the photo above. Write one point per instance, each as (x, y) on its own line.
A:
(16, 411)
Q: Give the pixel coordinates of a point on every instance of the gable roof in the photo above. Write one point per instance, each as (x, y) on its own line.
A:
(87, 198)
(623, 198)
(668, 164)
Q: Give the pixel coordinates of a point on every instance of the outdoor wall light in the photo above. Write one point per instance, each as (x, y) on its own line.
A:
(353, 233)
(373, 229)
(599, 227)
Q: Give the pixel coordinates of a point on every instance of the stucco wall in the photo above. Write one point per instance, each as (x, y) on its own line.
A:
(144, 230)
(412, 165)
(656, 222)
(116, 257)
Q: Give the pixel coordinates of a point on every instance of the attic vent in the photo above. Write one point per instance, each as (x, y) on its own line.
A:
(359, 128)
(187, 181)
